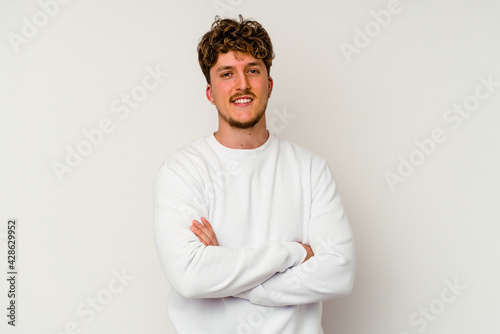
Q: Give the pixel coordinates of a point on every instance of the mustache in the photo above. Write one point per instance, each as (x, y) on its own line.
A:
(234, 97)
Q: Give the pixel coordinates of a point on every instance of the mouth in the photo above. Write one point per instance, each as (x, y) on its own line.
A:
(242, 101)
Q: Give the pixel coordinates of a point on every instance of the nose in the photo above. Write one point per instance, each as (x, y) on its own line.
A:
(242, 82)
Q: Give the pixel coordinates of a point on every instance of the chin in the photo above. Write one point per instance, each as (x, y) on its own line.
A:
(243, 123)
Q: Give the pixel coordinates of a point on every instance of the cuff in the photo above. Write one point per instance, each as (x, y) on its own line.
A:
(297, 253)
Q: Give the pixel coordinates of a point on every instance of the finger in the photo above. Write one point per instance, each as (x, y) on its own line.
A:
(202, 236)
(208, 234)
(206, 223)
(198, 234)
(199, 230)
(204, 233)
(210, 231)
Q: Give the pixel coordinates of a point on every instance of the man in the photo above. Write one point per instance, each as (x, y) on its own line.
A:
(249, 228)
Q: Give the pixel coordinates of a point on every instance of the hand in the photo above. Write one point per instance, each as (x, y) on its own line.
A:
(309, 251)
(204, 232)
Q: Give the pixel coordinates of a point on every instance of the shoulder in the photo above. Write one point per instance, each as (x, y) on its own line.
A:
(187, 160)
(301, 153)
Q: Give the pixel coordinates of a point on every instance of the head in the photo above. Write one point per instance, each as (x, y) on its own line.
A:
(226, 35)
(236, 57)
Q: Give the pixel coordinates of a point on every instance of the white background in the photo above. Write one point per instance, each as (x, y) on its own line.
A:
(361, 112)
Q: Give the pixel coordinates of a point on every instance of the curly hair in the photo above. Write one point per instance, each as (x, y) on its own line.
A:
(245, 36)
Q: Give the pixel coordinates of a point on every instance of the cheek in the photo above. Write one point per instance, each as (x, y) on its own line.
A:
(263, 86)
(221, 92)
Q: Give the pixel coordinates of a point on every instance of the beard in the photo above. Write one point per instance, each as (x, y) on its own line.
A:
(243, 125)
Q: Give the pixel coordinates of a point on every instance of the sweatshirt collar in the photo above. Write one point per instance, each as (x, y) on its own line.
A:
(239, 152)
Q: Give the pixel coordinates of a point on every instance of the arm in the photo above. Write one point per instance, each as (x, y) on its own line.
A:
(206, 235)
(197, 271)
(330, 272)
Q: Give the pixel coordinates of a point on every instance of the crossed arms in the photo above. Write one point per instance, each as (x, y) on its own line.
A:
(206, 235)
(275, 273)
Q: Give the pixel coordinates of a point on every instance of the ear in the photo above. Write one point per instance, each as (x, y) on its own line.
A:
(210, 96)
(270, 83)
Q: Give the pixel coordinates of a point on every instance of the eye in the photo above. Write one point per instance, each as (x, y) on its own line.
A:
(225, 75)
(254, 71)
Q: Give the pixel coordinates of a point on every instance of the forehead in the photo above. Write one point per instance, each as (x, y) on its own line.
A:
(235, 59)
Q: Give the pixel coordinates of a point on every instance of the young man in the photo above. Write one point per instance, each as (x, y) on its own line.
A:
(249, 228)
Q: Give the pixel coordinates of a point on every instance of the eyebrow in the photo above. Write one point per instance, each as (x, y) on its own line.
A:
(229, 67)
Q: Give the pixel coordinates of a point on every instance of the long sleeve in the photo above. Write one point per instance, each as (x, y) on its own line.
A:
(196, 271)
(330, 272)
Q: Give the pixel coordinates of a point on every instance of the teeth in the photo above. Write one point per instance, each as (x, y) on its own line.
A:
(243, 101)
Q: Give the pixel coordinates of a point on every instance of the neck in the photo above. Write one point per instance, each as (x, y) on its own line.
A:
(242, 138)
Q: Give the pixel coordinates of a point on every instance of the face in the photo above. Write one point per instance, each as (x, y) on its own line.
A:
(240, 88)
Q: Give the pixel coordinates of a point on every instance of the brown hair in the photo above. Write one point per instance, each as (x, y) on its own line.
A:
(226, 35)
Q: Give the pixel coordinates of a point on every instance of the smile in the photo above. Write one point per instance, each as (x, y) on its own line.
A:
(242, 100)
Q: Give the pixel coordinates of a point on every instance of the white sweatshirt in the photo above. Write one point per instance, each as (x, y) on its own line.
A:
(260, 202)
